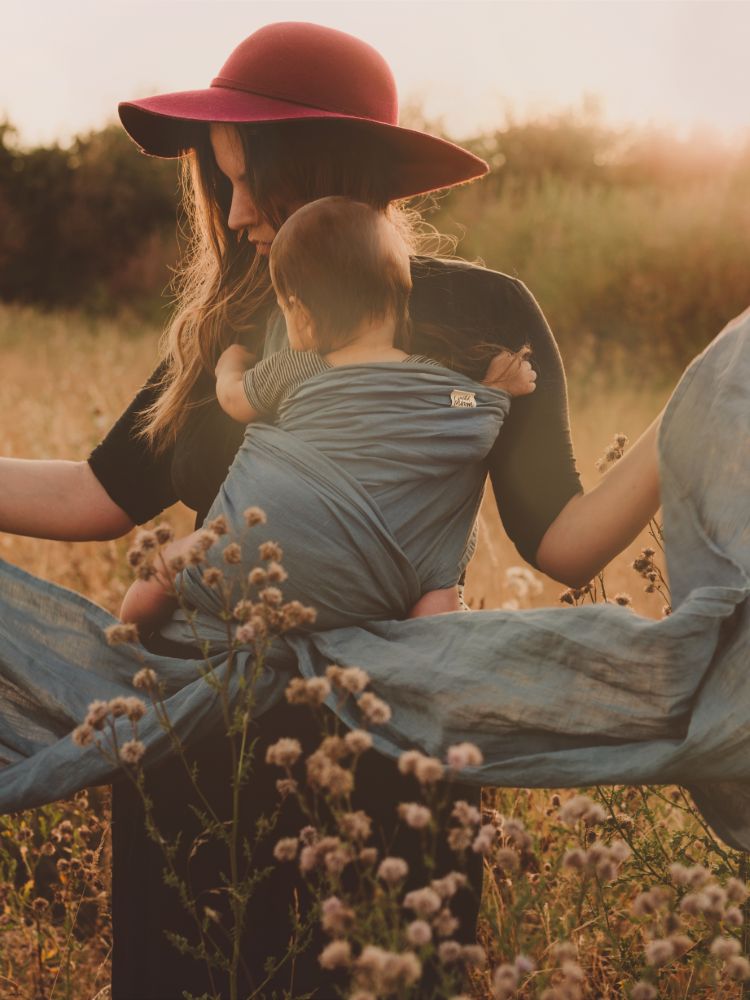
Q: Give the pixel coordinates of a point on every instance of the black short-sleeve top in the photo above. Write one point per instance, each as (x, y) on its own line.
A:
(531, 466)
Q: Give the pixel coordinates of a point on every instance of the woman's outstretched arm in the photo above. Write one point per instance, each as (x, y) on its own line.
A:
(59, 500)
(592, 528)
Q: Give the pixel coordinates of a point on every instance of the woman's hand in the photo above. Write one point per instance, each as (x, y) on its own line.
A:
(511, 372)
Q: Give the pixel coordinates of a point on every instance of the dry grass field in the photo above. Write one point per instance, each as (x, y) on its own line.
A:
(65, 379)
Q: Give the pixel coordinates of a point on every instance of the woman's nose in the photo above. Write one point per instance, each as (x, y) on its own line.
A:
(243, 212)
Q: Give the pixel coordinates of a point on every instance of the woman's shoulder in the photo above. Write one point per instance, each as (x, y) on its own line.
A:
(455, 271)
(456, 294)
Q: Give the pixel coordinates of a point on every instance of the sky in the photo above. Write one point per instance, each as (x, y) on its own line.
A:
(64, 64)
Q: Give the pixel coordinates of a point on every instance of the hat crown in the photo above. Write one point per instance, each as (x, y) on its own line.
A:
(315, 66)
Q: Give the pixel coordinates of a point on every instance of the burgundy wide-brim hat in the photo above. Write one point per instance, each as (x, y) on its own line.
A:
(294, 71)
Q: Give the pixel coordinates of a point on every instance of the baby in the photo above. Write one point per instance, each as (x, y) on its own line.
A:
(342, 279)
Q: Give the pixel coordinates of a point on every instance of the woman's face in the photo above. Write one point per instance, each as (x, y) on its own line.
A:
(244, 215)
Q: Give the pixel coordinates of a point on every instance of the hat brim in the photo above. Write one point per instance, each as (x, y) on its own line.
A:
(170, 124)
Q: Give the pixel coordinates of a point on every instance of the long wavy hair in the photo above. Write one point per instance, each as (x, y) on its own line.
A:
(222, 287)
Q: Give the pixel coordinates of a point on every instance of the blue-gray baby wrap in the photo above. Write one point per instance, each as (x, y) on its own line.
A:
(371, 483)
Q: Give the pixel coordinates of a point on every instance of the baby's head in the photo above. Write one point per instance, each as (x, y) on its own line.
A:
(339, 266)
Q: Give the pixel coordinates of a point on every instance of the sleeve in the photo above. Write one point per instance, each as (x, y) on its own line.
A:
(138, 480)
(268, 383)
(532, 466)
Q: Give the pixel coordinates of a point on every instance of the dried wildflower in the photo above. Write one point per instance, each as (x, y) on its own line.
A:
(564, 951)
(504, 981)
(312, 691)
(118, 706)
(333, 747)
(277, 573)
(353, 679)
(135, 558)
(575, 858)
(286, 849)
(466, 814)
(368, 856)
(474, 955)
(270, 552)
(253, 516)
(484, 840)
(356, 825)
(296, 614)
(407, 761)
(580, 807)
(286, 786)
(643, 991)
(508, 859)
(736, 890)
(357, 741)
(285, 752)
(48, 848)
(245, 634)
(96, 714)
(418, 933)
(414, 815)
(146, 540)
(425, 902)
(738, 967)
(624, 600)
(177, 564)
(271, 596)
(83, 735)
(339, 858)
(336, 917)
(374, 709)
(647, 903)
(449, 952)
(459, 838)
(428, 770)
(463, 755)
(725, 947)
(336, 955)
(449, 884)
(135, 708)
(145, 679)
(212, 577)
(121, 633)
(132, 751)
(445, 923)
(39, 905)
(659, 952)
(733, 917)
(393, 870)
(681, 943)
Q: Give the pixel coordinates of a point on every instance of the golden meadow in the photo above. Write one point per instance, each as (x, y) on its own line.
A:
(636, 247)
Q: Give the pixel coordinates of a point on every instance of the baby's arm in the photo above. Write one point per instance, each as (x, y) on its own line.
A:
(511, 372)
(437, 602)
(149, 603)
(230, 384)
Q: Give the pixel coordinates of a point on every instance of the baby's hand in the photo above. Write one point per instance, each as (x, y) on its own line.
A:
(511, 372)
(234, 360)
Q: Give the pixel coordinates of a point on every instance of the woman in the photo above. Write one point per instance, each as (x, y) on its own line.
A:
(324, 109)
